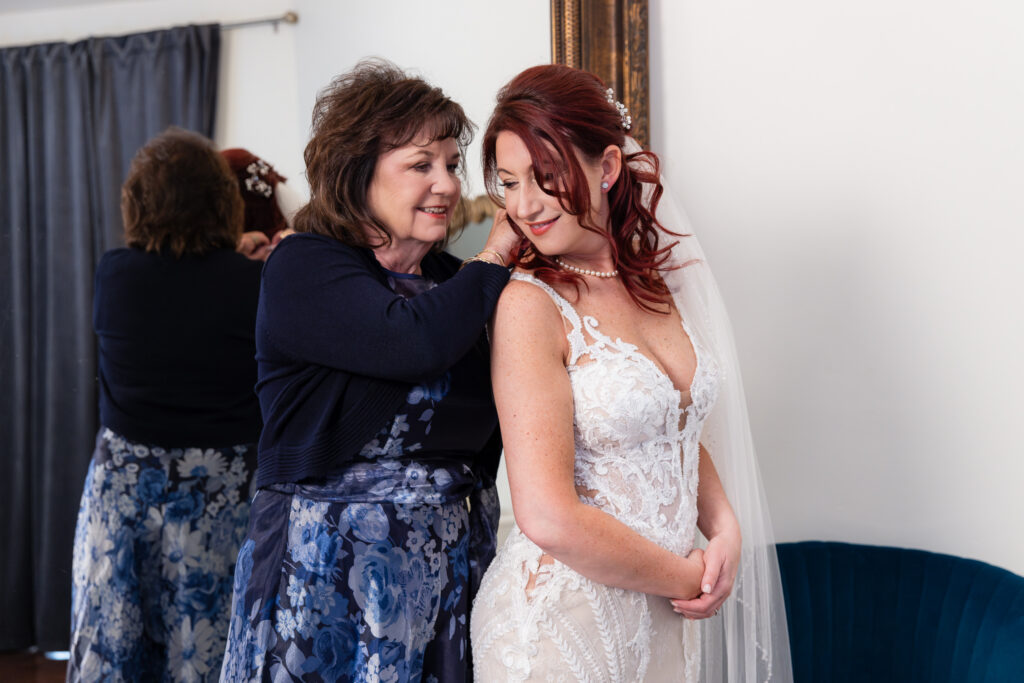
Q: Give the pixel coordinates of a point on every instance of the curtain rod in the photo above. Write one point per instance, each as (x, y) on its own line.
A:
(287, 18)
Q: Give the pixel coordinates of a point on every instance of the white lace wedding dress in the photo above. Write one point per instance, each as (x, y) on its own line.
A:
(637, 453)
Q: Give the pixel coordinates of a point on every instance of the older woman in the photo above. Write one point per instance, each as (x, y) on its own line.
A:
(363, 554)
(165, 505)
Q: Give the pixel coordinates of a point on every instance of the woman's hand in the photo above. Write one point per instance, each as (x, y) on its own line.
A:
(721, 562)
(503, 239)
(254, 245)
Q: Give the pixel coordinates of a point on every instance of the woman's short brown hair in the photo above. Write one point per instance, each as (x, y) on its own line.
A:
(370, 110)
(180, 195)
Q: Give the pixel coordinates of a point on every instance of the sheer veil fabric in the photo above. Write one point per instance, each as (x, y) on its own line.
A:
(748, 641)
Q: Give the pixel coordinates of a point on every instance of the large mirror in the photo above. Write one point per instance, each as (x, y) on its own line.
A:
(607, 38)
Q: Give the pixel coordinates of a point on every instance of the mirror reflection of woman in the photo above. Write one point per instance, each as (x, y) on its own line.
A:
(363, 555)
(606, 376)
(166, 499)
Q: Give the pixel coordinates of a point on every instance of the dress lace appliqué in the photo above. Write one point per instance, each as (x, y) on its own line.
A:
(637, 455)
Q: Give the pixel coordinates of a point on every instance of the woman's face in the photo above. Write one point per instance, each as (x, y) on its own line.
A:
(547, 225)
(414, 190)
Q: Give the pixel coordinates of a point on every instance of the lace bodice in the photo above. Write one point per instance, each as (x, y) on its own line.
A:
(637, 452)
(637, 436)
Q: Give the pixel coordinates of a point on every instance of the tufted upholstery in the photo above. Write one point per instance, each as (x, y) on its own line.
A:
(870, 613)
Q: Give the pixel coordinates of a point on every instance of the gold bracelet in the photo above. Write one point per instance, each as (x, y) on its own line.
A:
(476, 258)
(500, 258)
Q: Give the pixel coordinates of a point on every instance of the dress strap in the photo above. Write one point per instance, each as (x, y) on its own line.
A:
(577, 343)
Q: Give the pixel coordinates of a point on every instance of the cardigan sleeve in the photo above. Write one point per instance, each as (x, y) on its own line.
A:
(321, 303)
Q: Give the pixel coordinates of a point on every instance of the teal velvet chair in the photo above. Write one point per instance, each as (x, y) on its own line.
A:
(868, 613)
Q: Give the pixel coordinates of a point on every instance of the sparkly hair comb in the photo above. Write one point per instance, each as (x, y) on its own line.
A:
(625, 119)
(255, 182)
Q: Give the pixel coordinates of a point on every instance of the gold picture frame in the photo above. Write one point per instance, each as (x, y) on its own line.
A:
(609, 39)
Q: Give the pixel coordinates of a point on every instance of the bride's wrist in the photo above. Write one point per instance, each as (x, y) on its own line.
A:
(726, 527)
(691, 574)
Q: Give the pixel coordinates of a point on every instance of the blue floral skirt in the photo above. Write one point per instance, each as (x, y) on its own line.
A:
(155, 546)
(329, 590)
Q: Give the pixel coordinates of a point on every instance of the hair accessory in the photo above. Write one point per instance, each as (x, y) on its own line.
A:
(257, 170)
(586, 271)
(260, 186)
(625, 118)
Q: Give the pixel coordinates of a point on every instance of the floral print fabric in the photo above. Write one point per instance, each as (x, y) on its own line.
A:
(351, 604)
(367, 574)
(155, 546)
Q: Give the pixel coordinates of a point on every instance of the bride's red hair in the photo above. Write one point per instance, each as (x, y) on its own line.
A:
(556, 111)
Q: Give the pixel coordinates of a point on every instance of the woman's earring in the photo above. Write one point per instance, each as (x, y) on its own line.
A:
(604, 186)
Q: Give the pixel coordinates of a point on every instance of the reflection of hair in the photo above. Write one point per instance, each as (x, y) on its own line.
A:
(257, 181)
(558, 111)
(362, 114)
(180, 195)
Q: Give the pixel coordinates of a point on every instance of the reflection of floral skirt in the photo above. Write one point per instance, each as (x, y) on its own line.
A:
(155, 546)
(339, 591)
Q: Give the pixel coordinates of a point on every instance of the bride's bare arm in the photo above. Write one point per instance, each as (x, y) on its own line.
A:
(534, 399)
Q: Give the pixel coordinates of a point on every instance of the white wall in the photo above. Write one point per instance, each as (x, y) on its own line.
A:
(258, 97)
(855, 172)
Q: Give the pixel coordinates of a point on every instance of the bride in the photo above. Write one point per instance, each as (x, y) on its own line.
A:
(622, 417)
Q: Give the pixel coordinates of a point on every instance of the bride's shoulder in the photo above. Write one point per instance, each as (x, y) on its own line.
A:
(528, 329)
(528, 311)
(528, 296)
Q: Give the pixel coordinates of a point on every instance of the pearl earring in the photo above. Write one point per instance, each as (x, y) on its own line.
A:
(604, 185)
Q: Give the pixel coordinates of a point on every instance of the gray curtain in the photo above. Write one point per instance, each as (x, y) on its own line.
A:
(72, 116)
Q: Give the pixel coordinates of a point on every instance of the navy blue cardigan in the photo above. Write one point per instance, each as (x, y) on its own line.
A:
(337, 351)
(176, 347)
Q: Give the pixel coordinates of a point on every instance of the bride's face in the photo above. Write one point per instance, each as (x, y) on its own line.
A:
(552, 230)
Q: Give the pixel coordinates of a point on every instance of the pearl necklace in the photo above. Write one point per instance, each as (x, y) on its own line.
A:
(586, 271)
